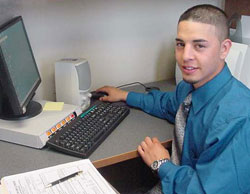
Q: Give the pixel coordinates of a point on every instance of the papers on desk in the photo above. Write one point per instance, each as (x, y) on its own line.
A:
(89, 181)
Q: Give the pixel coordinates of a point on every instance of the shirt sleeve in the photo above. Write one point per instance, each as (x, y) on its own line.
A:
(157, 103)
(221, 168)
(160, 104)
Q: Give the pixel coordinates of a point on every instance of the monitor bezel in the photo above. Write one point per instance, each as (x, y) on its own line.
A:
(18, 108)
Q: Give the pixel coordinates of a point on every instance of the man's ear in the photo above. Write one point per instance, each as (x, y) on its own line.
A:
(225, 48)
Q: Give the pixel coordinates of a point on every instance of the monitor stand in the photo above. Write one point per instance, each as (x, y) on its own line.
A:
(33, 109)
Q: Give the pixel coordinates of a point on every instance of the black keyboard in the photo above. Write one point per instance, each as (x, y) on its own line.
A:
(88, 130)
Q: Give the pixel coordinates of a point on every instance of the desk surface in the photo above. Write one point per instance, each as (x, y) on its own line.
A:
(126, 137)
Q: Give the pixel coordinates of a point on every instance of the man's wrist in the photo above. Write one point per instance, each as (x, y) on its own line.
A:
(124, 95)
(155, 166)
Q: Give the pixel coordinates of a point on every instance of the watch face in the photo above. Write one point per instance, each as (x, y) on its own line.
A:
(157, 163)
(154, 166)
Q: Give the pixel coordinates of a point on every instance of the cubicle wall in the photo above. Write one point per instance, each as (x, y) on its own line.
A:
(123, 40)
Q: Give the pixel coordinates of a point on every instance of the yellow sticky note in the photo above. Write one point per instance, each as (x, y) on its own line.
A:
(53, 106)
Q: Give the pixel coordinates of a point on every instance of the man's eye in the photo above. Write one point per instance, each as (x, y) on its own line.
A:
(199, 46)
(180, 44)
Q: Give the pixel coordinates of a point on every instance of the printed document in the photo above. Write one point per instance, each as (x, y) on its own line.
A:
(89, 181)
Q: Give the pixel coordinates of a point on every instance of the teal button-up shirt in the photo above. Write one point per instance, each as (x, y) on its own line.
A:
(216, 149)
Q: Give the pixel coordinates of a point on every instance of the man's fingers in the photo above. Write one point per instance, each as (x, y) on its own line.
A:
(140, 150)
(148, 141)
(143, 145)
(104, 98)
(155, 140)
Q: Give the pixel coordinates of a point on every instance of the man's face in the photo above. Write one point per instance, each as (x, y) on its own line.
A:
(198, 52)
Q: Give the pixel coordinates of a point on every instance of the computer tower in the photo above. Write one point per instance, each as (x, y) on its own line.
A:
(73, 81)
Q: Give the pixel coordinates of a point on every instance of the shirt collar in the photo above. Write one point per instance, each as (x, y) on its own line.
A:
(201, 95)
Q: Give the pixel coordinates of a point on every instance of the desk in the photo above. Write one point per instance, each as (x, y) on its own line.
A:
(126, 137)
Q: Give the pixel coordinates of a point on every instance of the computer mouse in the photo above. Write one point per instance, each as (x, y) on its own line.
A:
(96, 95)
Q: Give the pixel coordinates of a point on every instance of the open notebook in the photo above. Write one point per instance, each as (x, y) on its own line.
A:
(89, 181)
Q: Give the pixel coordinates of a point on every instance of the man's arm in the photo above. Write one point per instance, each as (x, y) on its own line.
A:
(157, 103)
(223, 167)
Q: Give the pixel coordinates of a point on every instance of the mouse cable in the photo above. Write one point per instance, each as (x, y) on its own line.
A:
(134, 83)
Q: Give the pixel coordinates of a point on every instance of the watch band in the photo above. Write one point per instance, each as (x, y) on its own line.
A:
(157, 163)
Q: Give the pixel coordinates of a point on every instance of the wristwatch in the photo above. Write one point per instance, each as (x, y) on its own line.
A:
(157, 163)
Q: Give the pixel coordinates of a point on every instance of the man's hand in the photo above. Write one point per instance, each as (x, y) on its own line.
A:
(151, 150)
(114, 94)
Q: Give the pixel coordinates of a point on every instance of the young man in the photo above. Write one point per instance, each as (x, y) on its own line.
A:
(215, 153)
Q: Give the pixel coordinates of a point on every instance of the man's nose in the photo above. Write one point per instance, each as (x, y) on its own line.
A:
(188, 53)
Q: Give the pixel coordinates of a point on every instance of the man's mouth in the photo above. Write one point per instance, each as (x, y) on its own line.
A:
(189, 69)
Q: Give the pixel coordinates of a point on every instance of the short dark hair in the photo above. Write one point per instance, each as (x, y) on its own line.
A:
(208, 14)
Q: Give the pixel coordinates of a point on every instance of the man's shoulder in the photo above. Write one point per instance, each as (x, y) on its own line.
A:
(239, 91)
(236, 100)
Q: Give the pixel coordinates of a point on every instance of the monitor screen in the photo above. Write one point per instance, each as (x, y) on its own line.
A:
(19, 73)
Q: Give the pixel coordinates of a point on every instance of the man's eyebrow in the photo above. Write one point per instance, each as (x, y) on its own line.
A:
(177, 39)
(195, 41)
(200, 40)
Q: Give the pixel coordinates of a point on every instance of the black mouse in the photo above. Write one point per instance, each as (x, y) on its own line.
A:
(96, 95)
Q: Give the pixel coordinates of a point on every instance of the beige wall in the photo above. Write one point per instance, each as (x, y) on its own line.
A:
(124, 41)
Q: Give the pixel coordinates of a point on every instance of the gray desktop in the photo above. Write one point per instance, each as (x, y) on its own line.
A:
(126, 137)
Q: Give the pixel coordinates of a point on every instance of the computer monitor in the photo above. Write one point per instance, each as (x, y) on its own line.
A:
(19, 75)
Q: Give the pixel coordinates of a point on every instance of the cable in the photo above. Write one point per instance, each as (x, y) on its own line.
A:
(147, 89)
(133, 83)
